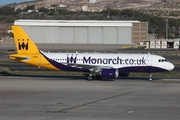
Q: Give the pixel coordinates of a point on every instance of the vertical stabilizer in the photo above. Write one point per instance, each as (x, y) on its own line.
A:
(23, 42)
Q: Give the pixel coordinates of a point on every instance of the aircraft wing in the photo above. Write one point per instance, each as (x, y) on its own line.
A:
(90, 67)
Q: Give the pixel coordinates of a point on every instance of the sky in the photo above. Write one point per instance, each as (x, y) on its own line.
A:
(3, 2)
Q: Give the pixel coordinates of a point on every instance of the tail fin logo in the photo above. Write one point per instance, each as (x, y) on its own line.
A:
(23, 46)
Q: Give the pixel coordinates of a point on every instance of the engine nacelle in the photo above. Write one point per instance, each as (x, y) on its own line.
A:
(123, 74)
(110, 73)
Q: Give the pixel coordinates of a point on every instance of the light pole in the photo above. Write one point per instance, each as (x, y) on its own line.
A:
(166, 28)
(174, 31)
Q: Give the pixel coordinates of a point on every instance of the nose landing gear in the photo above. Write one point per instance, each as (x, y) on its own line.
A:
(150, 77)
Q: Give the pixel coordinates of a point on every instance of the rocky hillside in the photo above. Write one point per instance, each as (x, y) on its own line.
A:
(163, 8)
(103, 4)
(114, 10)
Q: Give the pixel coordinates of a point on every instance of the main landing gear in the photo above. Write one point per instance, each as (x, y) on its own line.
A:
(91, 76)
(150, 77)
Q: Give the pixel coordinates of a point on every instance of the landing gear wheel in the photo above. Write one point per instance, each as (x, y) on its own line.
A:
(150, 77)
(89, 78)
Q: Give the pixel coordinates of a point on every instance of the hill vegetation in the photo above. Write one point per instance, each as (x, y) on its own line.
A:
(157, 24)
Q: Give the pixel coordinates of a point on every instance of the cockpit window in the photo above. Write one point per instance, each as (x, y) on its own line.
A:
(162, 60)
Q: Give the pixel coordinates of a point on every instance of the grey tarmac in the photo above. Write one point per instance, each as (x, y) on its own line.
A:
(55, 98)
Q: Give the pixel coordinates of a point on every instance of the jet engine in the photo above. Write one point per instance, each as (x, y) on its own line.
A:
(110, 73)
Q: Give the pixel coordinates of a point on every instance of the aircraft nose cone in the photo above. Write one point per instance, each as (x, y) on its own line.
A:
(170, 66)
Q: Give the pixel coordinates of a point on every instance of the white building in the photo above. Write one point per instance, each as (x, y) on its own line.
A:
(163, 43)
(84, 8)
(85, 32)
(92, 1)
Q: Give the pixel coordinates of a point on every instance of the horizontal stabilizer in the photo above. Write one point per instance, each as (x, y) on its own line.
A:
(18, 58)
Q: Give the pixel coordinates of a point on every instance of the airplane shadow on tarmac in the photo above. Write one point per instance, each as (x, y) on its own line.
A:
(72, 77)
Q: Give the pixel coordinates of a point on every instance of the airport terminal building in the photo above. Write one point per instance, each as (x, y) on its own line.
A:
(85, 32)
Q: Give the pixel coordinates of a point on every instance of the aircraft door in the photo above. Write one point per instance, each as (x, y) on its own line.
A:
(149, 61)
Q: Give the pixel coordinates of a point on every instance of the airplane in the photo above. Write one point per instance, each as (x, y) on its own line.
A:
(95, 65)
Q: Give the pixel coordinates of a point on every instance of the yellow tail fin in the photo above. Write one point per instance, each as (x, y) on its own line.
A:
(23, 42)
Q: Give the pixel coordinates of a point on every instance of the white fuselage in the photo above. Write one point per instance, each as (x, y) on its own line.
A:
(141, 62)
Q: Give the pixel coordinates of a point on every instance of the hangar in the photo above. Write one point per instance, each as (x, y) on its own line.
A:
(85, 31)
